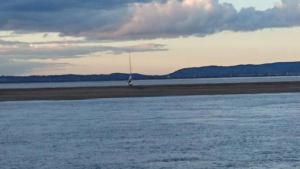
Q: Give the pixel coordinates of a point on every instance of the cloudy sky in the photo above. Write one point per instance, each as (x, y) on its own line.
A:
(95, 36)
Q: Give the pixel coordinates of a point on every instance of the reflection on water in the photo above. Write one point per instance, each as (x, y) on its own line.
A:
(236, 131)
(153, 82)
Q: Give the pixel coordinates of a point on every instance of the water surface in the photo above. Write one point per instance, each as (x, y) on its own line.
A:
(234, 131)
(152, 82)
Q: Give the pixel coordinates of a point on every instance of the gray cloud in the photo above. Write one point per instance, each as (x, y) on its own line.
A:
(73, 49)
(69, 17)
(141, 19)
(17, 57)
(59, 5)
(14, 67)
(3, 42)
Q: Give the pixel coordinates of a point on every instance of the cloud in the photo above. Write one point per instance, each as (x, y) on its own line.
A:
(19, 57)
(200, 18)
(141, 19)
(66, 49)
(147, 47)
(59, 5)
(14, 67)
(3, 42)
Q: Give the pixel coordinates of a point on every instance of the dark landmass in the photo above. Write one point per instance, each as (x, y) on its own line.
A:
(272, 69)
(145, 91)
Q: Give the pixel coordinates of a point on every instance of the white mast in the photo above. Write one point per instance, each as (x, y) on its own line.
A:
(130, 64)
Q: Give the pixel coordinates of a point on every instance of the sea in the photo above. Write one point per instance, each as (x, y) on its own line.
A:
(152, 82)
(251, 131)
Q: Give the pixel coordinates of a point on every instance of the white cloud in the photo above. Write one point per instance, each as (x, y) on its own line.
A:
(200, 18)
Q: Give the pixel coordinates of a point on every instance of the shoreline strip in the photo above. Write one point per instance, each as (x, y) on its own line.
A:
(79, 93)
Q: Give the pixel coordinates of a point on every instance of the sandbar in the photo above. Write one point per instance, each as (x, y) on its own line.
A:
(79, 93)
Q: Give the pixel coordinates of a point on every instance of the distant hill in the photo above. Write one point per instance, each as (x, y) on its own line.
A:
(272, 69)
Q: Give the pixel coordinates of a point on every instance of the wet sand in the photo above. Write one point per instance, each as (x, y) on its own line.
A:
(145, 91)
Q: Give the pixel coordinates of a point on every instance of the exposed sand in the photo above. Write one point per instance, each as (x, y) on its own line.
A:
(145, 91)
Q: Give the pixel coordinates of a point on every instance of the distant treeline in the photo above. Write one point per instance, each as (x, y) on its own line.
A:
(272, 69)
(73, 78)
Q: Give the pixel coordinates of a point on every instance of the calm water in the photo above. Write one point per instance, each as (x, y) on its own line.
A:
(152, 82)
(236, 131)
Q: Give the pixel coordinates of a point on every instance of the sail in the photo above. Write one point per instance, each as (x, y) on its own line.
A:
(130, 79)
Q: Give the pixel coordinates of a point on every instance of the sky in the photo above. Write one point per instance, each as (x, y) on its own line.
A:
(96, 36)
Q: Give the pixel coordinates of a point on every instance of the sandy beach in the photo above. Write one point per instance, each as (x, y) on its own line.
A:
(145, 91)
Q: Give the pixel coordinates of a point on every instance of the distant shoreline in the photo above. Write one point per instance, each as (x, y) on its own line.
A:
(80, 93)
(125, 79)
(249, 70)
